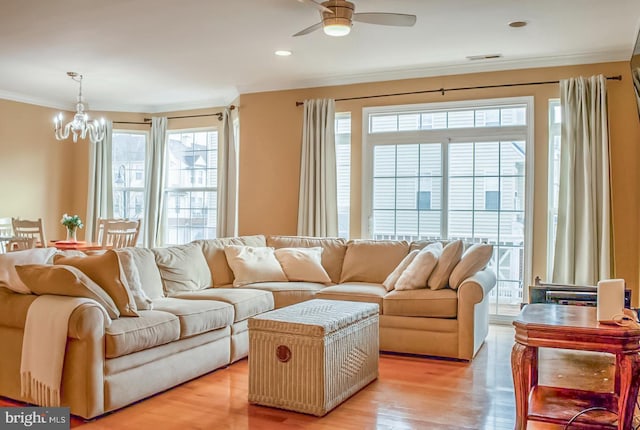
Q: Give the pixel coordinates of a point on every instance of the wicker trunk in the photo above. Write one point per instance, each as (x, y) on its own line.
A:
(312, 356)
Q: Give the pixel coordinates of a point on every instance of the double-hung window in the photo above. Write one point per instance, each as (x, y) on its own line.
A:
(191, 186)
(343, 171)
(555, 123)
(128, 173)
(454, 170)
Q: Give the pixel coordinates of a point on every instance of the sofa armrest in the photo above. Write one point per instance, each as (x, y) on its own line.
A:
(87, 322)
(14, 307)
(477, 287)
(473, 312)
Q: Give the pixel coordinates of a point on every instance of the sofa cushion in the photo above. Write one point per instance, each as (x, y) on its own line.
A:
(150, 279)
(9, 277)
(65, 281)
(372, 260)
(333, 250)
(132, 275)
(448, 259)
(474, 259)
(246, 302)
(105, 270)
(252, 264)
(355, 292)
(288, 293)
(416, 274)
(422, 303)
(213, 250)
(196, 316)
(182, 268)
(302, 264)
(152, 328)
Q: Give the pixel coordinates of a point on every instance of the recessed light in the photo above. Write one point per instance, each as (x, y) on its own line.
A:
(517, 24)
(283, 53)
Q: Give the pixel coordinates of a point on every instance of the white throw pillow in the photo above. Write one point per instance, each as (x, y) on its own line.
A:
(303, 264)
(132, 275)
(390, 283)
(253, 264)
(450, 256)
(473, 260)
(416, 274)
(9, 277)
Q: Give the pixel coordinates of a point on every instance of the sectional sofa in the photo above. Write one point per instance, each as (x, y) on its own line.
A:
(198, 321)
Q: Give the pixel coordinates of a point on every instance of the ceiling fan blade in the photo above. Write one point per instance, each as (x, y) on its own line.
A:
(316, 5)
(308, 30)
(397, 19)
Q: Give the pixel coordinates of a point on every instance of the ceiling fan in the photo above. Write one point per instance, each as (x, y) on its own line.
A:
(338, 16)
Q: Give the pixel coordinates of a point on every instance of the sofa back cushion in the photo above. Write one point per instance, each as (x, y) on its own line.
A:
(182, 268)
(150, 279)
(372, 260)
(213, 250)
(333, 250)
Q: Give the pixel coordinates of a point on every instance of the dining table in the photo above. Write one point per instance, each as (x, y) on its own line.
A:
(76, 245)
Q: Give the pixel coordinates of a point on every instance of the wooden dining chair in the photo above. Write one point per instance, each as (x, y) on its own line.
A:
(20, 243)
(118, 233)
(23, 228)
(6, 233)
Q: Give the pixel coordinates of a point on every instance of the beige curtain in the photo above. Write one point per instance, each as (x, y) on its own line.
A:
(317, 201)
(227, 177)
(583, 239)
(156, 150)
(100, 195)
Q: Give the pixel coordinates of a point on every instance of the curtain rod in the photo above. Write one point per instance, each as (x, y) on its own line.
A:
(147, 121)
(443, 90)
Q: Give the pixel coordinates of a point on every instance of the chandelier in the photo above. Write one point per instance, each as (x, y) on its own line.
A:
(81, 124)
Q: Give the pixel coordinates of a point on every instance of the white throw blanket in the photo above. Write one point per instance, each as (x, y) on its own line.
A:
(44, 345)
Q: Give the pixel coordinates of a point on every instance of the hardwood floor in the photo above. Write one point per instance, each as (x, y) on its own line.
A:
(411, 393)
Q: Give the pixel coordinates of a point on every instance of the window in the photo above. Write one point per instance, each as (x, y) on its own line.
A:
(343, 171)
(453, 170)
(128, 174)
(190, 206)
(555, 122)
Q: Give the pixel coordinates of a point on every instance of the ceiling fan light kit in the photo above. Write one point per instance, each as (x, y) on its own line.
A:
(338, 17)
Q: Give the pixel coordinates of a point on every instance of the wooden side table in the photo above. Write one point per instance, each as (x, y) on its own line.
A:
(573, 327)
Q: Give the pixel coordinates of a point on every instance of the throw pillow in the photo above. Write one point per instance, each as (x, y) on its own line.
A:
(105, 270)
(132, 275)
(303, 264)
(65, 281)
(473, 260)
(416, 274)
(182, 268)
(450, 256)
(390, 283)
(253, 264)
(9, 277)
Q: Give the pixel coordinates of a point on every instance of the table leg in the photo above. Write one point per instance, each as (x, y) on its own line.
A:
(523, 359)
(628, 367)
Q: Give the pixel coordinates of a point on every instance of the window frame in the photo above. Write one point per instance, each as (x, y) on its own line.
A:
(167, 189)
(444, 137)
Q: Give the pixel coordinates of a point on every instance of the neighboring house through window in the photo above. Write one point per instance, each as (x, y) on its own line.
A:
(128, 173)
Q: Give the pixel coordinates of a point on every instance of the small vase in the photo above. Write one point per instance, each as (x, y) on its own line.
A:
(71, 234)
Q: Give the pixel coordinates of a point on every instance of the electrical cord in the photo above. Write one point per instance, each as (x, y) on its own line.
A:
(584, 411)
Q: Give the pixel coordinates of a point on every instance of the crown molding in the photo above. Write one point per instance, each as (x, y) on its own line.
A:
(323, 80)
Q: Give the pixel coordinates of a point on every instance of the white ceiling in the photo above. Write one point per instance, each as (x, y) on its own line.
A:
(160, 55)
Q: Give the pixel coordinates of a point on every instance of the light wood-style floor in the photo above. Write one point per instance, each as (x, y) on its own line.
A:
(411, 393)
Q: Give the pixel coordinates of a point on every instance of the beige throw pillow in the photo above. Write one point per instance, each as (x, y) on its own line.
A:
(65, 281)
(416, 274)
(9, 277)
(253, 264)
(450, 256)
(390, 283)
(105, 270)
(132, 275)
(303, 264)
(473, 260)
(183, 268)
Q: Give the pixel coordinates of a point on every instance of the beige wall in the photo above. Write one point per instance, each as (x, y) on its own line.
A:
(271, 128)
